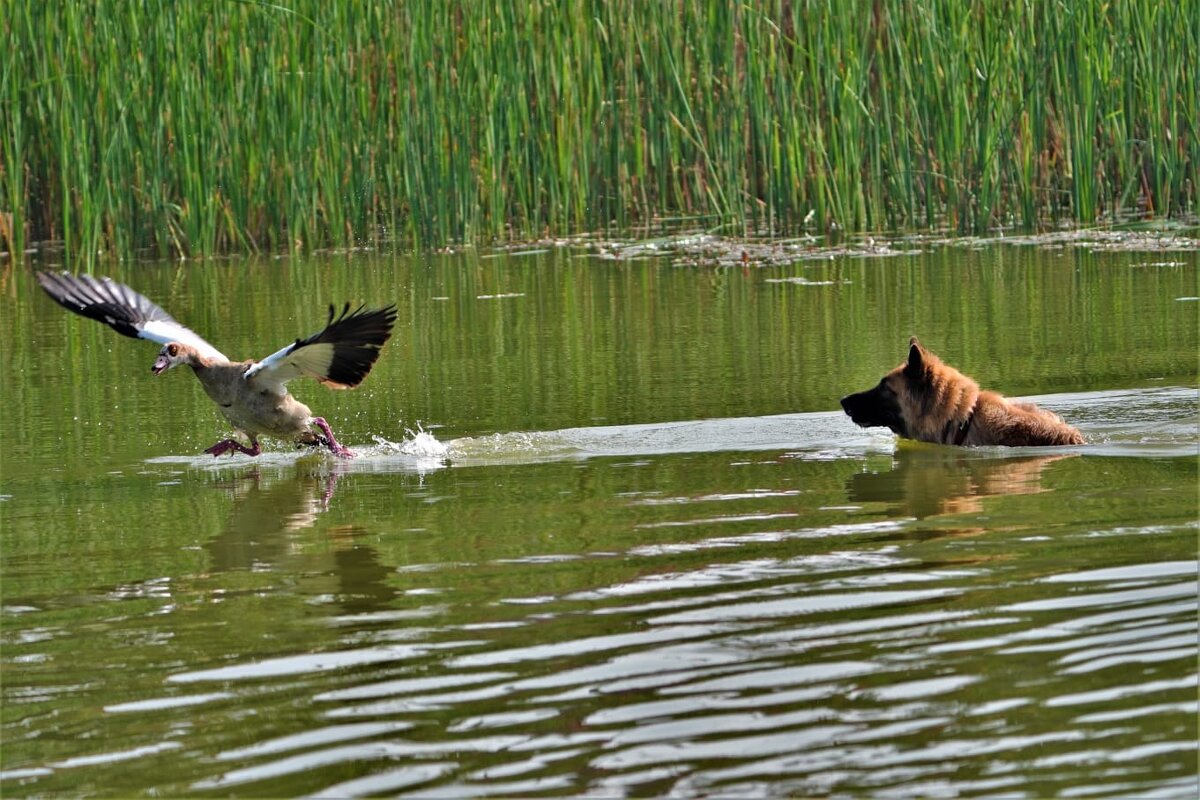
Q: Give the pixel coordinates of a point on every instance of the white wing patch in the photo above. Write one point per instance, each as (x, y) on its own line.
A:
(310, 361)
(164, 332)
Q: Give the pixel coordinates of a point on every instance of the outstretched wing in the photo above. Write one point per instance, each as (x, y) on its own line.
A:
(339, 356)
(122, 309)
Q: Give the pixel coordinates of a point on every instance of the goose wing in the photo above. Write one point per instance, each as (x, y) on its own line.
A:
(122, 309)
(340, 356)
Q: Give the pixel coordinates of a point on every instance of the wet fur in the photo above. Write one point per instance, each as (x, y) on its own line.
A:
(929, 401)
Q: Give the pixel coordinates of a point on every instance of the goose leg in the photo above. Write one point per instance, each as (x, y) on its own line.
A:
(226, 445)
(338, 449)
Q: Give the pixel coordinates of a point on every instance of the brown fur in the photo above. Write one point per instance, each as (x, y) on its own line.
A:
(929, 401)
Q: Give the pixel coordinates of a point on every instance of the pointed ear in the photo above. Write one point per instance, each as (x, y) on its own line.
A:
(916, 359)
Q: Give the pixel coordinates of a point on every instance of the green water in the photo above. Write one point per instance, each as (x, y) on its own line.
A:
(636, 550)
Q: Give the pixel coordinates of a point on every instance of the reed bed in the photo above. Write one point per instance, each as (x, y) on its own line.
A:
(195, 128)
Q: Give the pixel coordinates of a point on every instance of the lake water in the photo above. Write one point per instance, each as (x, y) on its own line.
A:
(609, 536)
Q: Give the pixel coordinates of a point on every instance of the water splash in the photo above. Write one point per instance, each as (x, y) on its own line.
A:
(419, 444)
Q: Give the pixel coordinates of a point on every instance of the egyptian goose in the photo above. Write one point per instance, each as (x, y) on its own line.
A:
(252, 395)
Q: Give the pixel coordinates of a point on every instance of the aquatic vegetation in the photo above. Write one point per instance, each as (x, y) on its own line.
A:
(196, 128)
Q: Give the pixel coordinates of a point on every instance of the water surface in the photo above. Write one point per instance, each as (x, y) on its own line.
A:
(608, 536)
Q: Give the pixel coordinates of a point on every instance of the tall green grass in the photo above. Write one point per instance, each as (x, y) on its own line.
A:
(229, 125)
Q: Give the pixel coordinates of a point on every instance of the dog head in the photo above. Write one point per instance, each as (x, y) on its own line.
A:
(909, 397)
(878, 407)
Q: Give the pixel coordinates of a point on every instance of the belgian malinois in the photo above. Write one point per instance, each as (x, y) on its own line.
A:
(929, 401)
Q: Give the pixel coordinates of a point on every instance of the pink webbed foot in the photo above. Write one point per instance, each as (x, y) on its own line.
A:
(338, 449)
(227, 445)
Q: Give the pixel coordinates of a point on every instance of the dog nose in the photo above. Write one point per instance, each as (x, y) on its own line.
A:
(845, 401)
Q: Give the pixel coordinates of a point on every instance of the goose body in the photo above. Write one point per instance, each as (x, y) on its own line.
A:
(252, 395)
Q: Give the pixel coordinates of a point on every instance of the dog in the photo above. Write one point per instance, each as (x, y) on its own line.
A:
(929, 401)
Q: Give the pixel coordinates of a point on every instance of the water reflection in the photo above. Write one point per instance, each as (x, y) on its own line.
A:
(930, 481)
(266, 509)
(271, 507)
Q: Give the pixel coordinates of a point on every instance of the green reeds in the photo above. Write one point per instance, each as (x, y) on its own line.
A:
(195, 128)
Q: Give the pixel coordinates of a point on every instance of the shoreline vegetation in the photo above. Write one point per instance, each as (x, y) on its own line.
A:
(197, 128)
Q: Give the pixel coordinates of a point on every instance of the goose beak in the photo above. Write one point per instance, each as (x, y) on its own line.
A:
(161, 365)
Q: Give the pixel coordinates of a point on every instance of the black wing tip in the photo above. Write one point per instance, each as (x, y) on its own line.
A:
(61, 285)
(45, 276)
(352, 364)
(361, 326)
(358, 337)
(83, 288)
(361, 313)
(72, 292)
(102, 299)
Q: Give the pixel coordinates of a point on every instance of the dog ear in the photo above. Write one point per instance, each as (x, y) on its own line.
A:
(916, 359)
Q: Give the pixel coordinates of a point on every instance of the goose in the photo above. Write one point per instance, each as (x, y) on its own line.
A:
(252, 395)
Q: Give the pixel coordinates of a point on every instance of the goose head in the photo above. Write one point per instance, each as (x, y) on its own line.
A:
(171, 355)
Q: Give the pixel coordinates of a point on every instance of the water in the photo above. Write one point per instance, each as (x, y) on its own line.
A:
(608, 537)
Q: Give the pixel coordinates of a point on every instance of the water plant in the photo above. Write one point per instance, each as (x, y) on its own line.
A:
(197, 128)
